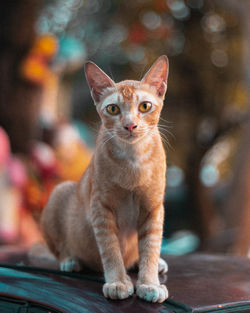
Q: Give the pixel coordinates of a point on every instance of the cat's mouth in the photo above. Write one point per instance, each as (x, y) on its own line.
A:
(130, 137)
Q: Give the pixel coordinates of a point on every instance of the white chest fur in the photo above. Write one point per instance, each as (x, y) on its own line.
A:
(131, 164)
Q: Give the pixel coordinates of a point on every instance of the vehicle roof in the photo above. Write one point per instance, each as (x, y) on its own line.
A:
(196, 283)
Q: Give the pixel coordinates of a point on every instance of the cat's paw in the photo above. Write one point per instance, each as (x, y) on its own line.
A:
(70, 264)
(162, 266)
(152, 293)
(118, 290)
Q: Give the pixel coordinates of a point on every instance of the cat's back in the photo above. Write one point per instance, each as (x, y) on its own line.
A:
(60, 196)
(55, 212)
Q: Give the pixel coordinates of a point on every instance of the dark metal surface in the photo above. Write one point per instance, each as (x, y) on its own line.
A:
(67, 294)
(196, 282)
(209, 281)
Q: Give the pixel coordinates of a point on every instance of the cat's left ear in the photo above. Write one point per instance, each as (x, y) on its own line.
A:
(157, 75)
(98, 81)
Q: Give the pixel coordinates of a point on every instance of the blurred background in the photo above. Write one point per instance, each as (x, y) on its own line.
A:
(48, 123)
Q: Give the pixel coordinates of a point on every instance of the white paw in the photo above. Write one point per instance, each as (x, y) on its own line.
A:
(118, 290)
(162, 266)
(70, 265)
(152, 293)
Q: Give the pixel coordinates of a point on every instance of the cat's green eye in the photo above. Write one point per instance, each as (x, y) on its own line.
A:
(145, 107)
(113, 109)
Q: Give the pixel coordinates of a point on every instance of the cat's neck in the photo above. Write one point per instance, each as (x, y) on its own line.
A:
(128, 165)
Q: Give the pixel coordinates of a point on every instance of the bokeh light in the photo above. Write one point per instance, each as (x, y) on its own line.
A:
(175, 176)
(209, 175)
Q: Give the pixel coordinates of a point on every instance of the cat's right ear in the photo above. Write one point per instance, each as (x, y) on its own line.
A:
(97, 80)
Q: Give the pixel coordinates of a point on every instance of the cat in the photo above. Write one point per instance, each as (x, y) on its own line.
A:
(113, 217)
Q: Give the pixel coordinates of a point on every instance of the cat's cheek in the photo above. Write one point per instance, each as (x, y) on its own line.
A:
(110, 122)
(153, 119)
(150, 121)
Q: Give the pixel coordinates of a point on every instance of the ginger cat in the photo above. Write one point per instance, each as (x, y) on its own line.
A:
(113, 217)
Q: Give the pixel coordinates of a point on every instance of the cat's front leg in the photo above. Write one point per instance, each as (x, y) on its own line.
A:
(148, 286)
(118, 284)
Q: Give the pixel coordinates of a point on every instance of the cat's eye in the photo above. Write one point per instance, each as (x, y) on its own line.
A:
(145, 107)
(113, 109)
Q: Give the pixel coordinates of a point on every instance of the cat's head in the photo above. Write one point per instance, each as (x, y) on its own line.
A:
(129, 109)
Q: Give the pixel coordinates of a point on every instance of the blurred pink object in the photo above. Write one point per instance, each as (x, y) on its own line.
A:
(4, 147)
(16, 172)
(44, 159)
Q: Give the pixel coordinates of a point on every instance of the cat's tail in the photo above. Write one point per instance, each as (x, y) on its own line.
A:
(40, 256)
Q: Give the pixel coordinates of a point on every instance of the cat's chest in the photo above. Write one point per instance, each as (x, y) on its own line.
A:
(131, 170)
(127, 213)
(130, 157)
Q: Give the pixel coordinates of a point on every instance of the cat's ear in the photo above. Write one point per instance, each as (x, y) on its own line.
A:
(98, 81)
(157, 75)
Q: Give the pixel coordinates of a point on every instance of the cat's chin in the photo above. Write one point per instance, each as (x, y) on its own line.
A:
(130, 139)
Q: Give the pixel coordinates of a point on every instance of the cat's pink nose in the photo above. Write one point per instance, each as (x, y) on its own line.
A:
(130, 127)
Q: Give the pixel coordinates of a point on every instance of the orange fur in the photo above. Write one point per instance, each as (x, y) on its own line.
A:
(113, 217)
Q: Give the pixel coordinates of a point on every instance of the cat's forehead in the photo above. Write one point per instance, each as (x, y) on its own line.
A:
(129, 92)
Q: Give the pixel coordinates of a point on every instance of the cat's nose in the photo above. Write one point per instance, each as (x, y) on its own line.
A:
(130, 127)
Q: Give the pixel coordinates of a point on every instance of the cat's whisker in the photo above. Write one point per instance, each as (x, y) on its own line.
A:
(167, 126)
(166, 121)
(165, 131)
(111, 134)
(166, 141)
(105, 142)
(94, 127)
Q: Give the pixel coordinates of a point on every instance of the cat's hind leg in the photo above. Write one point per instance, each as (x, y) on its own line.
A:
(162, 266)
(70, 264)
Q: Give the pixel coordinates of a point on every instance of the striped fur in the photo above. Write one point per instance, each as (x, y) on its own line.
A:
(113, 217)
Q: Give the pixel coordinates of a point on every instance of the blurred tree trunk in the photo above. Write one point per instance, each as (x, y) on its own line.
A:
(198, 106)
(19, 100)
(238, 203)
